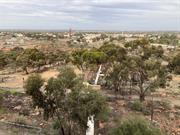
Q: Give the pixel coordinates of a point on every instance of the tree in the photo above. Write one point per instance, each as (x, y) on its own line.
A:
(137, 43)
(170, 39)
(142, 70)
(51, 58)
(37, 58)
(113, 52)
(115, 55)
(33, 86)
(31, 58)
(9, 58)
(88, 61)
(174, 64)
(66, 100)
(118, 77)
(3, 61)
(146, 75)
(12, 56)
(77, 58)
(103, 36)
(94, 57)
(84, 102)
(153, 51)
(56, 57)
(136, 126)
(83, 58)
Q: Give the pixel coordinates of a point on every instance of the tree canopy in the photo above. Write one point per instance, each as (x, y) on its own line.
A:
(140, 68)
(66, 100)
(174, 63)
(31, 58)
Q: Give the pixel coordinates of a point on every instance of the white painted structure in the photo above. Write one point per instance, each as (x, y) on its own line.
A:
(90, 124)
(98, 75)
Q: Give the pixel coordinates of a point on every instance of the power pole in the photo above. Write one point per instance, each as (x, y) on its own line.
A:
(70, 33)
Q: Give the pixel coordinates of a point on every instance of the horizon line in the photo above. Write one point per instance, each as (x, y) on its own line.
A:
(81, 30)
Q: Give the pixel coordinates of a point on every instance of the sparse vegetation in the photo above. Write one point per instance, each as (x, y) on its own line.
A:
(66, 100)
(136, 76)
(20, 120)
(174, 64)
(136, 126)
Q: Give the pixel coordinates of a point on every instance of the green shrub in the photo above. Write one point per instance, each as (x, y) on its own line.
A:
(2, 110)
(135, 126)
(140, 107)
(166, 104)
(174, 64)
(20, 120)
(136, 105)
(1, 99)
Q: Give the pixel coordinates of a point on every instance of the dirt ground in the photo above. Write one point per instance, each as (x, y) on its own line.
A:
(15, 81)
(167, 119)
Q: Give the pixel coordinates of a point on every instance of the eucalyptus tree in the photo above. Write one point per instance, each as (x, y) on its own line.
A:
(174, 62)
(57, 57)
(77, 58)
(88, 61)
(118, 77)
(115, 55)
(146, 76)
(94, 57)
(135, 44)
(9, 58)
(66, 100)
(114, 52)
(141, 68)
(148, 72)
(31, 58)
(170, 39)
(3, 61)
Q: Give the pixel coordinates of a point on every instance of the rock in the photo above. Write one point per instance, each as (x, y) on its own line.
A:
(101, 125)
(36, 113)
(41, 124)
(17, 107)
(171, 116)
(2, 120)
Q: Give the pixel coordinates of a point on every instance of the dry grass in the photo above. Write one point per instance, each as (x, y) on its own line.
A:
(16, 80)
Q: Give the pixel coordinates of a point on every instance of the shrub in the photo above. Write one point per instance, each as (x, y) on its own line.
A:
(135, 126)
(166, 104)
(141, 107)
(20, 120)
(136, 105)
(1, 99)
(174, 64)
(2, 110)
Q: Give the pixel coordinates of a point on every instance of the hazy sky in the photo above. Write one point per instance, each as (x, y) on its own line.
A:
(90, 14)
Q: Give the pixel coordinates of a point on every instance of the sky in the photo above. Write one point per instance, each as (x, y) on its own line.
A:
(118, 15)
